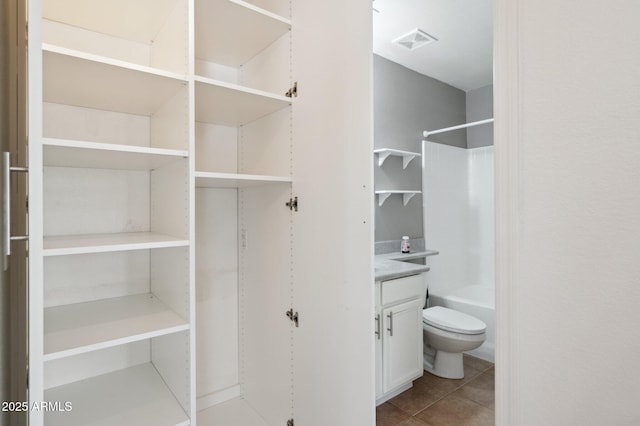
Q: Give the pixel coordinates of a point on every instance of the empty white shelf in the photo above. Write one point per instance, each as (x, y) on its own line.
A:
(133, 396)
(71, 153)
(228, 104)
(85, 80)
(84, 327)
(385, 153)
(406, 196)
(230, 32)
(102, 243)
(233, 180)
(234, 412)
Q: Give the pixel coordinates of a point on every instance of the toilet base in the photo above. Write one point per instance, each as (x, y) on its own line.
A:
(445, 364)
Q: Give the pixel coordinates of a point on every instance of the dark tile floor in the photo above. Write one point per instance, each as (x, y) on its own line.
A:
(434, 401)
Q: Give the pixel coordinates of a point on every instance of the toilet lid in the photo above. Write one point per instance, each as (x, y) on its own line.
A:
(454, 321)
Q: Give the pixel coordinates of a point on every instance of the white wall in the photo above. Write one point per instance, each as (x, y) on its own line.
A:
(459, 216)
(568, 156)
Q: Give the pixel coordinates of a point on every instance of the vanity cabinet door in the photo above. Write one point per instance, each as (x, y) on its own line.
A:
(402, 344)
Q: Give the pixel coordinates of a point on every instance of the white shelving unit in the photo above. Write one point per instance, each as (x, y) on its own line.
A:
(116, 145)
(163, 148)
(385, 153)
(406, 196)
(243, 146)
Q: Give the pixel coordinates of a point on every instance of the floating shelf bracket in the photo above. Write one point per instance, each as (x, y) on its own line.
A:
(406, 196)
(385, 153)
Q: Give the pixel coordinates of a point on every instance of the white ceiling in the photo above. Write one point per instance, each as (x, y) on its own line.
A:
(463, 54)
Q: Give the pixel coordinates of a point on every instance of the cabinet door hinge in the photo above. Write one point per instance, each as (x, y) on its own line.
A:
(293, 316)
(293, 92)
(290, 422)
(292, 204)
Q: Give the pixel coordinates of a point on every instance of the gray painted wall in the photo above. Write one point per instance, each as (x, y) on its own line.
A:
(406, 103)
(480, 107)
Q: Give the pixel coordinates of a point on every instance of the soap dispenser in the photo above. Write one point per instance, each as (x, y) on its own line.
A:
(405, 247)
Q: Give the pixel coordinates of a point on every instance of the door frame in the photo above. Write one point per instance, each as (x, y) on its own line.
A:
(508, 206)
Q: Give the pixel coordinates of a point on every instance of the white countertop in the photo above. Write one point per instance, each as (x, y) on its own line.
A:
(394, 265)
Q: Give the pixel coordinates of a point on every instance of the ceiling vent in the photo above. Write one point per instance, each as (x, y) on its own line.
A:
(415, 39)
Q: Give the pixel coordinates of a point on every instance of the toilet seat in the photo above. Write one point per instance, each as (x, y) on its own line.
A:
(453, 321)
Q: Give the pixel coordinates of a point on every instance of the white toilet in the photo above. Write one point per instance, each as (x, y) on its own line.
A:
(447, 334)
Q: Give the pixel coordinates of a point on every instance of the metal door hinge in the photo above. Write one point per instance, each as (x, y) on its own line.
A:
(292, 204)
(293, 92)
(293, 316)
(290, 422)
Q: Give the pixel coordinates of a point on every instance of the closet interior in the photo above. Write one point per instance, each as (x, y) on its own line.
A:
(166, 150)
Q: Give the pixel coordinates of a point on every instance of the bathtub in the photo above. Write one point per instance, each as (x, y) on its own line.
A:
(478, 301)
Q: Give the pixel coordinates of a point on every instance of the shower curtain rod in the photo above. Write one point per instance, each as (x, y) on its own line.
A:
(427, 133)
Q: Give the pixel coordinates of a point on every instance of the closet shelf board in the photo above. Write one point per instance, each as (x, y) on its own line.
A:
(232, 180)
(229, 104)
(71, 153)
(102, 243)
(230, 32)
(78, 79)
(84, 327)
(132, 396)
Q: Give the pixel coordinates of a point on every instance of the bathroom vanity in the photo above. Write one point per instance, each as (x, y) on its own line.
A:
(400, 290)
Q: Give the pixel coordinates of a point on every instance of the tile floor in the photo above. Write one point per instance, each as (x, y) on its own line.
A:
(433, 401)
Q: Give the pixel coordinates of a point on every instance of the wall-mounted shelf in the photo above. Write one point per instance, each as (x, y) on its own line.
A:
(406, 196)
(71, 153)
(136, 395)
(83, 327)
(385, 153)
(234, 180)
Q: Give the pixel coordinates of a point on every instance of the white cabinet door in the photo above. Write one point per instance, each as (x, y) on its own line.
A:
(332, 233)
(402, 344)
